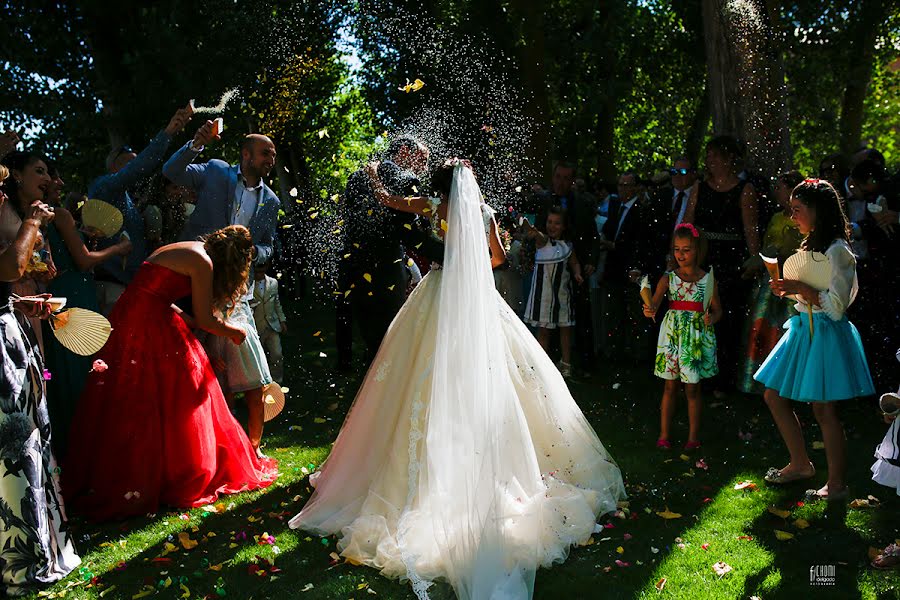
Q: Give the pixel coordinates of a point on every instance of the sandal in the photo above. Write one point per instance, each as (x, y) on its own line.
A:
(841, 495)
(888, 559)
(692, 445)
(775, 476)
(664, 444)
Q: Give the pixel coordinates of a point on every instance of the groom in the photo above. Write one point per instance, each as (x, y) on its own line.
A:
(234, 195)
(373, 268)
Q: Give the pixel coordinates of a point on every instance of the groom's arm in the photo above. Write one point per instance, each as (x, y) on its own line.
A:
(181, 170)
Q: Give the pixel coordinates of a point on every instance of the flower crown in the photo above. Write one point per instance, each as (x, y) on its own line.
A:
(688, 227)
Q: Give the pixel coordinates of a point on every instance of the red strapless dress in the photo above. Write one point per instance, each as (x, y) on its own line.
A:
(154, 428)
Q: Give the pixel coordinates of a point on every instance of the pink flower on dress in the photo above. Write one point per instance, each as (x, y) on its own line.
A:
(99, 366)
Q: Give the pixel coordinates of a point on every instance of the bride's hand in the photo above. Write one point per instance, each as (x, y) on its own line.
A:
(371, 170)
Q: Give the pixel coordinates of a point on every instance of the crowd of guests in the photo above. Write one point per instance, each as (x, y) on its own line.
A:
(195, 324)
(195, 312)
(587, 264)
(618, 233)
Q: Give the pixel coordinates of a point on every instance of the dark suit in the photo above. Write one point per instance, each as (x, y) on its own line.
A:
(375, 237)
(624, 329)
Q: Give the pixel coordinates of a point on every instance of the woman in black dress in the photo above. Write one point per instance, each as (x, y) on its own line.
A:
(726, 208)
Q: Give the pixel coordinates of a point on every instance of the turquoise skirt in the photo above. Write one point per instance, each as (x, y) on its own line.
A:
(830, 366)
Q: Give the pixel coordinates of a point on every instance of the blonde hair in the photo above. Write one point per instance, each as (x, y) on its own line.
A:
(4, 172)
(230, 250)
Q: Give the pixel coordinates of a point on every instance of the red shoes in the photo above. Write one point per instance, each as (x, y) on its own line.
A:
(667, 445)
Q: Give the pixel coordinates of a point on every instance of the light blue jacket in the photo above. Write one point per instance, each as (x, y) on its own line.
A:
(215, 182)
(113, 188)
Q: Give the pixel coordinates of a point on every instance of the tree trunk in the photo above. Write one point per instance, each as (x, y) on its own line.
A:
(698, 128)
(871, 15)
(106, 52)
(746, 81)
(605, 64)
(531, 62)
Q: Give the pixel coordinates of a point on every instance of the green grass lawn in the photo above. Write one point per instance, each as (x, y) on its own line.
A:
(145, 557)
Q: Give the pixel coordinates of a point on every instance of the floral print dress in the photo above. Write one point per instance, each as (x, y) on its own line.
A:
(686, 349)
(35, 546)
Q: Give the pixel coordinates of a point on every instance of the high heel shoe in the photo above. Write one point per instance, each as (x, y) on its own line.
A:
(664, 444)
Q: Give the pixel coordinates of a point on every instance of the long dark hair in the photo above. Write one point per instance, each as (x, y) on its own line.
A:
(17, 161)
(831, 221)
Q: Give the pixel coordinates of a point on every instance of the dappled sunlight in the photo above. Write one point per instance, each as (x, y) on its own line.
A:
(689, 566)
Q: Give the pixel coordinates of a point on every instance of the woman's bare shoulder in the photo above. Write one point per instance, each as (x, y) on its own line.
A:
(182, 257)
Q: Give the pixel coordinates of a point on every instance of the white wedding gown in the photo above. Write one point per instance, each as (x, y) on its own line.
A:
(464, 456)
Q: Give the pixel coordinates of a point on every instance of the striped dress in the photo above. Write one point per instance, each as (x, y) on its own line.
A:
(550, 301)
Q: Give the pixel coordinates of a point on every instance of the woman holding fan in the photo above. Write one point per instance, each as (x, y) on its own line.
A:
(36, 547)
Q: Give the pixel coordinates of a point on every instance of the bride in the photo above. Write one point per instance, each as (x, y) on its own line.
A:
(464, 457)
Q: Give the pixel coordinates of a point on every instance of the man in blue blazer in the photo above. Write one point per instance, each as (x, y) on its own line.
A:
(234, 195)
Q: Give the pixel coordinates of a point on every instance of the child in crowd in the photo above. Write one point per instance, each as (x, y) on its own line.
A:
(686, 348)
(550, 301)
(767, 312)
(820, 358)
(886, 469)
(269, 318)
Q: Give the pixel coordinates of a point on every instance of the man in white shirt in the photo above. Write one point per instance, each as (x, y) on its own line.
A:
(234, 195)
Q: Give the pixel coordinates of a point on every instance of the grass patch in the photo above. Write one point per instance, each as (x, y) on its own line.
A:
(130, 558)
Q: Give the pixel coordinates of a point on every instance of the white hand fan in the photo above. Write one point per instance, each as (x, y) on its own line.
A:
(102, 216)
(273, 401)
(813, 269)
(710, 289)
(80, 330)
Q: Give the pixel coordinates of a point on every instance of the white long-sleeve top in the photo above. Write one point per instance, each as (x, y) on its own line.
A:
(843, 285)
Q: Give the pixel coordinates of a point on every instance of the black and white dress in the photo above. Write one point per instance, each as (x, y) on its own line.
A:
(550, 301)
(35, 546)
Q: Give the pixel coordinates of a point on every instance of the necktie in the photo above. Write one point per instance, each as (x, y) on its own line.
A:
(679, 200)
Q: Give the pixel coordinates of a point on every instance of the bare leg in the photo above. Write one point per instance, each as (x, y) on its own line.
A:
(255, 412)
(789, 427)
(667, 407)
(565, 344)
(695, 406)
(543, 337)
(835, 445)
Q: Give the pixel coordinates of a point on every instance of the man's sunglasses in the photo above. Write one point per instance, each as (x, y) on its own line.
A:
(680, 171)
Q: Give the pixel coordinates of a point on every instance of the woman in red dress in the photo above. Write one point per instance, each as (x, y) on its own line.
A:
(152, 426)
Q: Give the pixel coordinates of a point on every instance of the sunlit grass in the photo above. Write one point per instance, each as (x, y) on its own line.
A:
(625, 419)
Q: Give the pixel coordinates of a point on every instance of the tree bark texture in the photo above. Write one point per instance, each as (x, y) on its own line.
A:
(869, 21)
(746, 81)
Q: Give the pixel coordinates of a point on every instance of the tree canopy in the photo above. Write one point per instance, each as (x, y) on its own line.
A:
(609, 84)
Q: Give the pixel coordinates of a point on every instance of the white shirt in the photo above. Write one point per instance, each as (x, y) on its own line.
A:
(687, 196)
(625, 208)
(246, 199)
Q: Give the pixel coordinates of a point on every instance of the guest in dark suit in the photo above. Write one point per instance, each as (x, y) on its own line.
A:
(580, 210)
(373, 270)
(625, 238)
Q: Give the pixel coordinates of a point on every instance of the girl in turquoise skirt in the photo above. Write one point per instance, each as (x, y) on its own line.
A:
(823, 361)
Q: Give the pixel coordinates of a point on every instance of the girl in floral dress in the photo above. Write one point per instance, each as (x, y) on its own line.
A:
(686, 350)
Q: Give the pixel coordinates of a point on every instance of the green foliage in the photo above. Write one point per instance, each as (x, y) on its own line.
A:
(818, 41)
